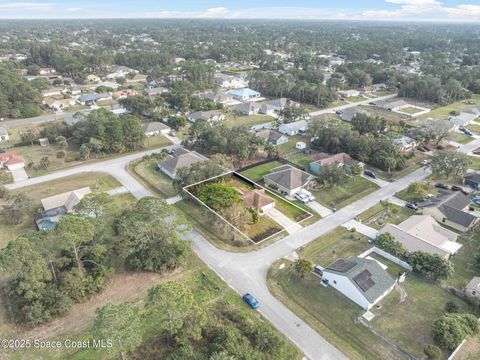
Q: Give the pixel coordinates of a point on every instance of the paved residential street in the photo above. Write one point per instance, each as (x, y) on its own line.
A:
(247, 272)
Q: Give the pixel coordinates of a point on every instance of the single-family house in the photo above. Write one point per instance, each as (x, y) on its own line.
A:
(89, 99)
(248, 108)
(449, 208)
(335, 61)
(3, 134)
(472, 180)
(473, 287)
(423, 233)
(404, 143)
(258, 200)
(108, 84)
(155, 128)
(55, 207)
(267, 109)
(280, 104)
(349, 113)
(363, 281)
(294, 128)
(181, 159)
(287, 179)
(272, 137)
(52, 92)
(9, 160)
(244, 94)
(340, 160)
(156, 91)
(394, 105)
(230, 81)
(123, 94)
(348, 93)
(93, 78)
(211, 115)
(119, 71)
(56, 105)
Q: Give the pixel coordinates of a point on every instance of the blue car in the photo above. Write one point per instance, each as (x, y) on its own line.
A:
(251, 301)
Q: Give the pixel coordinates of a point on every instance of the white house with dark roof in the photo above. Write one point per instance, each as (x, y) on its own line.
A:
(272, 137)
(363, 281)
(293, 128)
(287, 179)
(211, 115)
(244, 94)
(248, 108)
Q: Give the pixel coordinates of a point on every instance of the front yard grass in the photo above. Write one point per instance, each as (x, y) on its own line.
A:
(328, 312)
(233, 119)
(410, 110)
(474, 162)
(355, 188)
(460, 138)
(301, 159)
(257, 173)
(290, 146)
(475, 128)
(464, 261)
(377, 216)
(443, 112)
(147, 170)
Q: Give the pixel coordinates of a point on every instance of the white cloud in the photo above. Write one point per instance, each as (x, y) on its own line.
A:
(27, 6)
(414, 2)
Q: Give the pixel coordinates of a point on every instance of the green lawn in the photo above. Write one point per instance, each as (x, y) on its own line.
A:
(405, 195)
(153, 142)
(443, 112)
(355, 188)
(96, 181)
(377, 216)
(301, 159)
(461, 138)
(475, 128)
(328, 312)
(256, 173)
(353, 99)
(409, 322)
(410, 110)
(464, 261)
(474, 162)
(289, 147)
(147, 169)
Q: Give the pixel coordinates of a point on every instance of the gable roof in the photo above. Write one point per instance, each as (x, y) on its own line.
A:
(244, 92)
(297, 125)
(473, 177)
(182, 158)
(366, 275)
(206, 115)
(341, 158)
(288, 177)
(257, 199)
(269, 135)
(451, 203)
(423, 233)
(154, 126)
(248, 106)
(11, 158)
(67, 199)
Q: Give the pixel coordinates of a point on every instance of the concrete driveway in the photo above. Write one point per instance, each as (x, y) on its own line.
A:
(361, 228)
(323, 211)
(289, 225)
(19, 175)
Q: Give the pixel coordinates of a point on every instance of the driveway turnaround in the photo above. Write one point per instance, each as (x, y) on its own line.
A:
(361, 228)
(323, 211)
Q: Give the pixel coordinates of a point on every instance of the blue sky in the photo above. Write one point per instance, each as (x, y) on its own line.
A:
(430, 10)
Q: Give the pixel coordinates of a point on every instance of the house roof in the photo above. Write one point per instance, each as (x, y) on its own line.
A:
(341, 158)
(423, 233)
(403, 141)
(244, 92)
(248, 106)
(154, 126)
(93, 97)
(349, 113)
(394, 104)
(451, 204)
(474, 284)
(67, 199)
(182, 158)
(269, 135)
(206, 115)
(366, 275)
(257, 199)
(297, 125)
(11, 158)
(473, 177)
(288, 177)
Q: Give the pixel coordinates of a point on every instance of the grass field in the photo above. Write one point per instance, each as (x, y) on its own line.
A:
(328, 312)
(442, 112)
(147, 169)
(405, 195)
(410, 110)
(301, 159)
(96, 181)
(460, 138)
(377, 216)
(475, 128)
(474, 162)
(233, 119)
(464, 261)
(355, 188)
(289, 147)
(256, 173)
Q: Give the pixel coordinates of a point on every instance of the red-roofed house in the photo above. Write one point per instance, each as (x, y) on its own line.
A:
(11, 161)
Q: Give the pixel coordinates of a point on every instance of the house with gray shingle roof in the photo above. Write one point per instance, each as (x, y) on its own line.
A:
(363, 281)
(155, 128)
(182, 158)
(287, 179)
(449, 208)
(272, 137)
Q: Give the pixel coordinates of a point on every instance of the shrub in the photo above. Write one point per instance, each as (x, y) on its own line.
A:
(432, 352)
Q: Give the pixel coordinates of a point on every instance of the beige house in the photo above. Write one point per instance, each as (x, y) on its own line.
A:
(68, 199)
(423, 233)
(256, 199)
(450, 208)
(155, 128)
(473, 287)
(181, 159)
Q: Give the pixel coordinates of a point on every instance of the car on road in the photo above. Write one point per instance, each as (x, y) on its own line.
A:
(459, 188)
(339, 112)
(370, 173)
(372, 103)
(441, 186)
(251, 300)
(411, 206)
(476, 152)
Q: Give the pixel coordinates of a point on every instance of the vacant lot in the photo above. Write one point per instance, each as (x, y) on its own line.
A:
(290, 147)
(465, 265)
(442, 112)
(236, 119)
(355, 188)
(147, 169)
(379, 215)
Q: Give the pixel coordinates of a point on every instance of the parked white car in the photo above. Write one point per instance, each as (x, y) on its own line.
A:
(304, 196)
